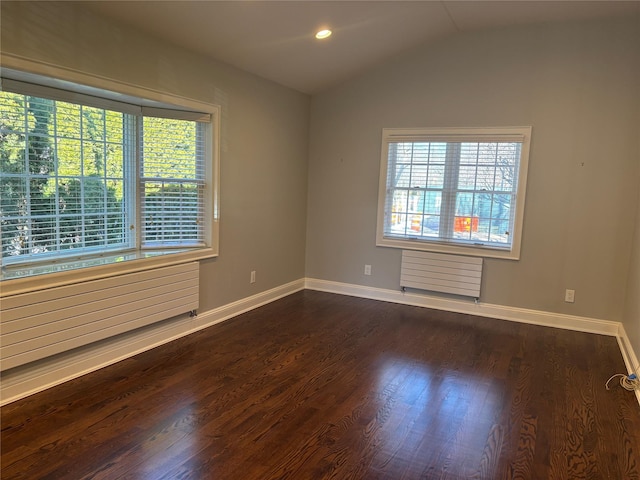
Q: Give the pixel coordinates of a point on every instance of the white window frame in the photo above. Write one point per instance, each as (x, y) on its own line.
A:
(18, 278)
(453, 135)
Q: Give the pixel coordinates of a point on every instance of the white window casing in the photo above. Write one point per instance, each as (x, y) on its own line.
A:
(453, 190)
(180, 174)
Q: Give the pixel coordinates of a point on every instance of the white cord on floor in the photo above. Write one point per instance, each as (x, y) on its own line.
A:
(628, 382)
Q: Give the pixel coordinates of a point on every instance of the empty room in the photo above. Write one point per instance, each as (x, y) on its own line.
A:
(320, 239)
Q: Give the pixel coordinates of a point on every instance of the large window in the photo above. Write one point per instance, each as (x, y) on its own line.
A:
(453, 190)
(85, 175)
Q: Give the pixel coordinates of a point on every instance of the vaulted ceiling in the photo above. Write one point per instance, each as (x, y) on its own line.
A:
(275, 39)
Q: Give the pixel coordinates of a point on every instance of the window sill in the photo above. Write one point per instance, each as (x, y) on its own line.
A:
(27, 278)
(471, 251)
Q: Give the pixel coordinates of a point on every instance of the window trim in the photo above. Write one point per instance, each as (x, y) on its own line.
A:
(390, 135)
(21, 69)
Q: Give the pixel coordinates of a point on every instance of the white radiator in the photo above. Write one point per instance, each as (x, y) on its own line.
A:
(439, 272)
(38, 324)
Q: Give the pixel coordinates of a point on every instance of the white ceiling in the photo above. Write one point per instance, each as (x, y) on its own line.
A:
(275, 39)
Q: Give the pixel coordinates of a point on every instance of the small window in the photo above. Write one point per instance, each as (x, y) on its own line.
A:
(453, 190)
(90, 174)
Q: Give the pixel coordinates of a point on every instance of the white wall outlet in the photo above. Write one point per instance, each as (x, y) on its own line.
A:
(367, 269)
(569, 296)
(253, 277)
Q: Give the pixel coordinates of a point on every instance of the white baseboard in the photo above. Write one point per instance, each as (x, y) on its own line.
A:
(630, 359)
(536, 317)
(522, 315)
(29, 379)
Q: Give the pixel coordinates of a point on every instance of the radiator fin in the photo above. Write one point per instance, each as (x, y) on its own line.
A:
(436, 272)
(38, 324)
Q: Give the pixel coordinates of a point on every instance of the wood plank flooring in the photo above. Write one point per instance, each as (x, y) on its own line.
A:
(322, 386)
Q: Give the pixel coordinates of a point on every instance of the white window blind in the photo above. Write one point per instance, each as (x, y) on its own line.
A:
(172, 182)
(83, 174)
(453, 190)
(62, 185)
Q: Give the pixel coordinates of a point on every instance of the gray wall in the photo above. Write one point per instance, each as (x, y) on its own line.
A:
(264, 135)
(576, 84)
(632, 312)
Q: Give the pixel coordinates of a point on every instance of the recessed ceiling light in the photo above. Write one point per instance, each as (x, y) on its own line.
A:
(323, 34)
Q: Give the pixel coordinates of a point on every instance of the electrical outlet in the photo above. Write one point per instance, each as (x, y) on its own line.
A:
(367, 269)
(569, 296)
(253, 277)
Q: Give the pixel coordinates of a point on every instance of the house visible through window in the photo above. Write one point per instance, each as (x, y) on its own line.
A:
(453, 190)
(84, 175)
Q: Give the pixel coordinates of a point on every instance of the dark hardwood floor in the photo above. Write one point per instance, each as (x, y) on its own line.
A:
(322, 386)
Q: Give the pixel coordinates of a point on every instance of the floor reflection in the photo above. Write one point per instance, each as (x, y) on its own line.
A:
(436, 413)
(172, 446)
